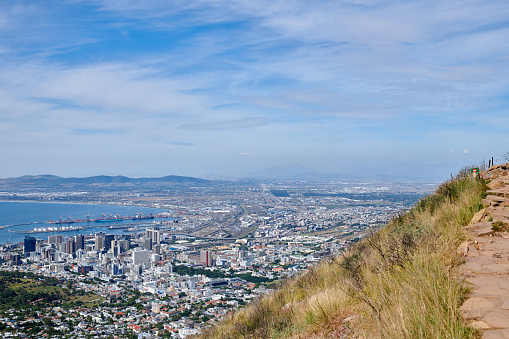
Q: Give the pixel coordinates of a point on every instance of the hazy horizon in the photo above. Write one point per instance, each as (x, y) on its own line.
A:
(298, 171)
(229, 88)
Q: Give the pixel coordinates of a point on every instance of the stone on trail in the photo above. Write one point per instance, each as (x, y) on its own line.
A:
(480, 325)
(481, 229)
(499, 320)
(494, 334)
(478, 217)
(484, 232)
(474, 308)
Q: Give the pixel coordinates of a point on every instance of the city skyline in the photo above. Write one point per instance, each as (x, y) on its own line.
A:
(230, 88)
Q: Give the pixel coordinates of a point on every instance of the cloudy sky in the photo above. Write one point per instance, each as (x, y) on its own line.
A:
(157, 87)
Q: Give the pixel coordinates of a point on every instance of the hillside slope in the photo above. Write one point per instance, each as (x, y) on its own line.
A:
(402, 282)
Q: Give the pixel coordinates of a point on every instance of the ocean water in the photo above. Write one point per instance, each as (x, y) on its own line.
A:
(25, 216)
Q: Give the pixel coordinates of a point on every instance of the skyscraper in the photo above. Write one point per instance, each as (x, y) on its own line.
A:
(154, 234)
(99, 241)
(147, 244)
(206, 258)
(140, 258)
(29, 244)
(70, 246)
(107, 241)
(80, 242)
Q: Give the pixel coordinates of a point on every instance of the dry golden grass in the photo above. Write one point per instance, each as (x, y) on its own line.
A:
(401, 282)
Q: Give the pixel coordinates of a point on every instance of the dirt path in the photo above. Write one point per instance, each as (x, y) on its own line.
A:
(487, 260)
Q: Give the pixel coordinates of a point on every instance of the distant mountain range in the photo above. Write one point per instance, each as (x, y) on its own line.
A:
(391, 172)
(99, 179)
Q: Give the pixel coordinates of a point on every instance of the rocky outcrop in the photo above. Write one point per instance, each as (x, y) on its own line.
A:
(497, 171)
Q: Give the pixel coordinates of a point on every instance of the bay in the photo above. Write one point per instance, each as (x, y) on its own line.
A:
(25, 216)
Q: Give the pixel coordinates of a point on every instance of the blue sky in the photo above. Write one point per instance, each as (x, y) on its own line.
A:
(152, 88)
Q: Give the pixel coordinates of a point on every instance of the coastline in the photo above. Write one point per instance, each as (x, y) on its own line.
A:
(21, 216)
(75, 203)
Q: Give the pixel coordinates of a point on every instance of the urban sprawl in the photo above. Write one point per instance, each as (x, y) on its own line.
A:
(221, 246)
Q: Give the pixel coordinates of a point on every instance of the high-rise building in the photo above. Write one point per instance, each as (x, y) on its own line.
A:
(46, 253)
(156, 248)
(206, 258)
(39, 244)
(70, 246)
(15, 259)
(29, 244)
(117, 250)
(108, 238)
(154, 234)
(55, 239)
(124, 244)
(61, 247)
(80, 242)
(115, 269)
(140, 258)
(147, 244)
(99, 241)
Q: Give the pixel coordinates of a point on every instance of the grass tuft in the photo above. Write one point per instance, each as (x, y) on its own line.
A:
(500, 226)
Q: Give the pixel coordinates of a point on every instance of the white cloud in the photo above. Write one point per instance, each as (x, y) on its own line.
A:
(229, 124)
(116, 87)
(280, 78)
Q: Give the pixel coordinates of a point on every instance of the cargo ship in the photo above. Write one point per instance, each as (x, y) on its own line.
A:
(52, 229)
(119, 227)
(140, 216)
(105, 218)
(63, 221)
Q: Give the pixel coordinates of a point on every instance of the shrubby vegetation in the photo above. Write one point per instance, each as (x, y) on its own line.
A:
(20, 290)
(401, 282)
(23, 290)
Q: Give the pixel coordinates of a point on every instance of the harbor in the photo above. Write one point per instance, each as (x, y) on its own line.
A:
(50, 230)
(20, 218)
(105, 218)
(129, 227)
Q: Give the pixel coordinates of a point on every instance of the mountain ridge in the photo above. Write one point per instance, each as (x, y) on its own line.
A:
(47, 179)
